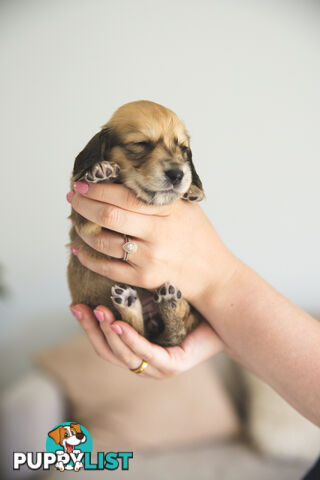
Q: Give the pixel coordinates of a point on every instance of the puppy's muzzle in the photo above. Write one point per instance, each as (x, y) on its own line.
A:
(174, 175)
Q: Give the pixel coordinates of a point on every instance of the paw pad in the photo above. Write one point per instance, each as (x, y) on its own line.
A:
(194, 194)
(124, 296)
(167, 293)
(102, 171)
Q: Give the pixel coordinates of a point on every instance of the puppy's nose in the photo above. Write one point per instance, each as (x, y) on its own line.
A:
(174, 175)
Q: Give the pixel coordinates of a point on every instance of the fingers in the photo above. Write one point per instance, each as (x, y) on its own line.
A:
(109, 243)
(138, 344)
(113, 217)
(96, 337)
(119, 196)
(201, 344)
(155, 355)
(123, 272)
(119, 343)
(120, 349)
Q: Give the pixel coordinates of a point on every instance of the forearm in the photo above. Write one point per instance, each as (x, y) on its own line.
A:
(269, 335)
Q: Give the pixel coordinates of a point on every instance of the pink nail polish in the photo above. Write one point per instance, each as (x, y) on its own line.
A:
(81, 187)
(99, 315)
(76, 313)
(69, 196)
(74, 250)
(116, 329)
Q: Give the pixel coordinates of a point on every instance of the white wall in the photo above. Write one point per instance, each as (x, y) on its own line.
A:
(244, 75)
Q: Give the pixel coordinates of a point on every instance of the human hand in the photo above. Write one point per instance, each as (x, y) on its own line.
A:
(176, 242)
(118, 343)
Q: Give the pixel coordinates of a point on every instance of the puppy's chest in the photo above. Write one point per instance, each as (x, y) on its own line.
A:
(149, 307)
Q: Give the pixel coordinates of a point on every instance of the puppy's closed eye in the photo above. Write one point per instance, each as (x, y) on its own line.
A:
(139, 147)
(184, 148)
(143, 144)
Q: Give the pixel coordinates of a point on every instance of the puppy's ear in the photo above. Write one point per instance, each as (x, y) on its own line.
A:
(97, 149)
(55, 434)
(195, 177)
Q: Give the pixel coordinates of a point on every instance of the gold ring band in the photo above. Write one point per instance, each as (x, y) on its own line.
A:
(143, 365)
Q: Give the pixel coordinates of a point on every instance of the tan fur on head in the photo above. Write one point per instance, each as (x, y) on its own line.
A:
(140, 120)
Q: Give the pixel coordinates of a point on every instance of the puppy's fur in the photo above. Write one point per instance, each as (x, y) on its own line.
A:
(145, 147)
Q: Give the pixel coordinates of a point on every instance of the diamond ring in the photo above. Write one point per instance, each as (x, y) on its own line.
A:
(128, 247)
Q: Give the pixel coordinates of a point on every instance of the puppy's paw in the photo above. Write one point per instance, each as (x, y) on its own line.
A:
(124, 297)
(194, 194)
(168, 293)
(126, 301)
(102, 172)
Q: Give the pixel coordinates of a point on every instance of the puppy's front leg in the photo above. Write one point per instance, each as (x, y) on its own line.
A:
(194, 194)
(126, 301)
(102, 172)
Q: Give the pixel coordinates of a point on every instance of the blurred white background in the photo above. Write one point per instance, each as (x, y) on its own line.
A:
(243, 75)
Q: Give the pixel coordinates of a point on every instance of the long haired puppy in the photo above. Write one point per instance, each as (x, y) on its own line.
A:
(145, 147)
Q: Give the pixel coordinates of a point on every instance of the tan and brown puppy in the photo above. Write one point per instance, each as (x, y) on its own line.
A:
(145, 147)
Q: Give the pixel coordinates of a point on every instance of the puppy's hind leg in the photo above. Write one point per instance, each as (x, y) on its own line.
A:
(175, 313)
(126, 301)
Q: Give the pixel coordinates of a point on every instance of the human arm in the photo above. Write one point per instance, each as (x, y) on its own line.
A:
(258, 327)
(270, 336)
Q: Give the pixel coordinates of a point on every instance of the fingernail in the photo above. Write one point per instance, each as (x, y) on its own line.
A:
(69, 196)
(76, 313)
(75, 251)
(81, 187)
(116, 329)
(99, 315)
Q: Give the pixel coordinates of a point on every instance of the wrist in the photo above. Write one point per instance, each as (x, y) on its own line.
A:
(218, 287)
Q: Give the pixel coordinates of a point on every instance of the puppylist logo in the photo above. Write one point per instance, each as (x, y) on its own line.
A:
(69, 447)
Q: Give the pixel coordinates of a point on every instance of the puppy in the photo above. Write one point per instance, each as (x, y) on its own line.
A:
(145, 147)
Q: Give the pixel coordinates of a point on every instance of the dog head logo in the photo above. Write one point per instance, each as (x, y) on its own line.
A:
(68, 436)
(69, 441)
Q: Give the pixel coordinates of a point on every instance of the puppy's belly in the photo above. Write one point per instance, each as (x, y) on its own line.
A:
(92, 289)
(88, 287)
(152, 320)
